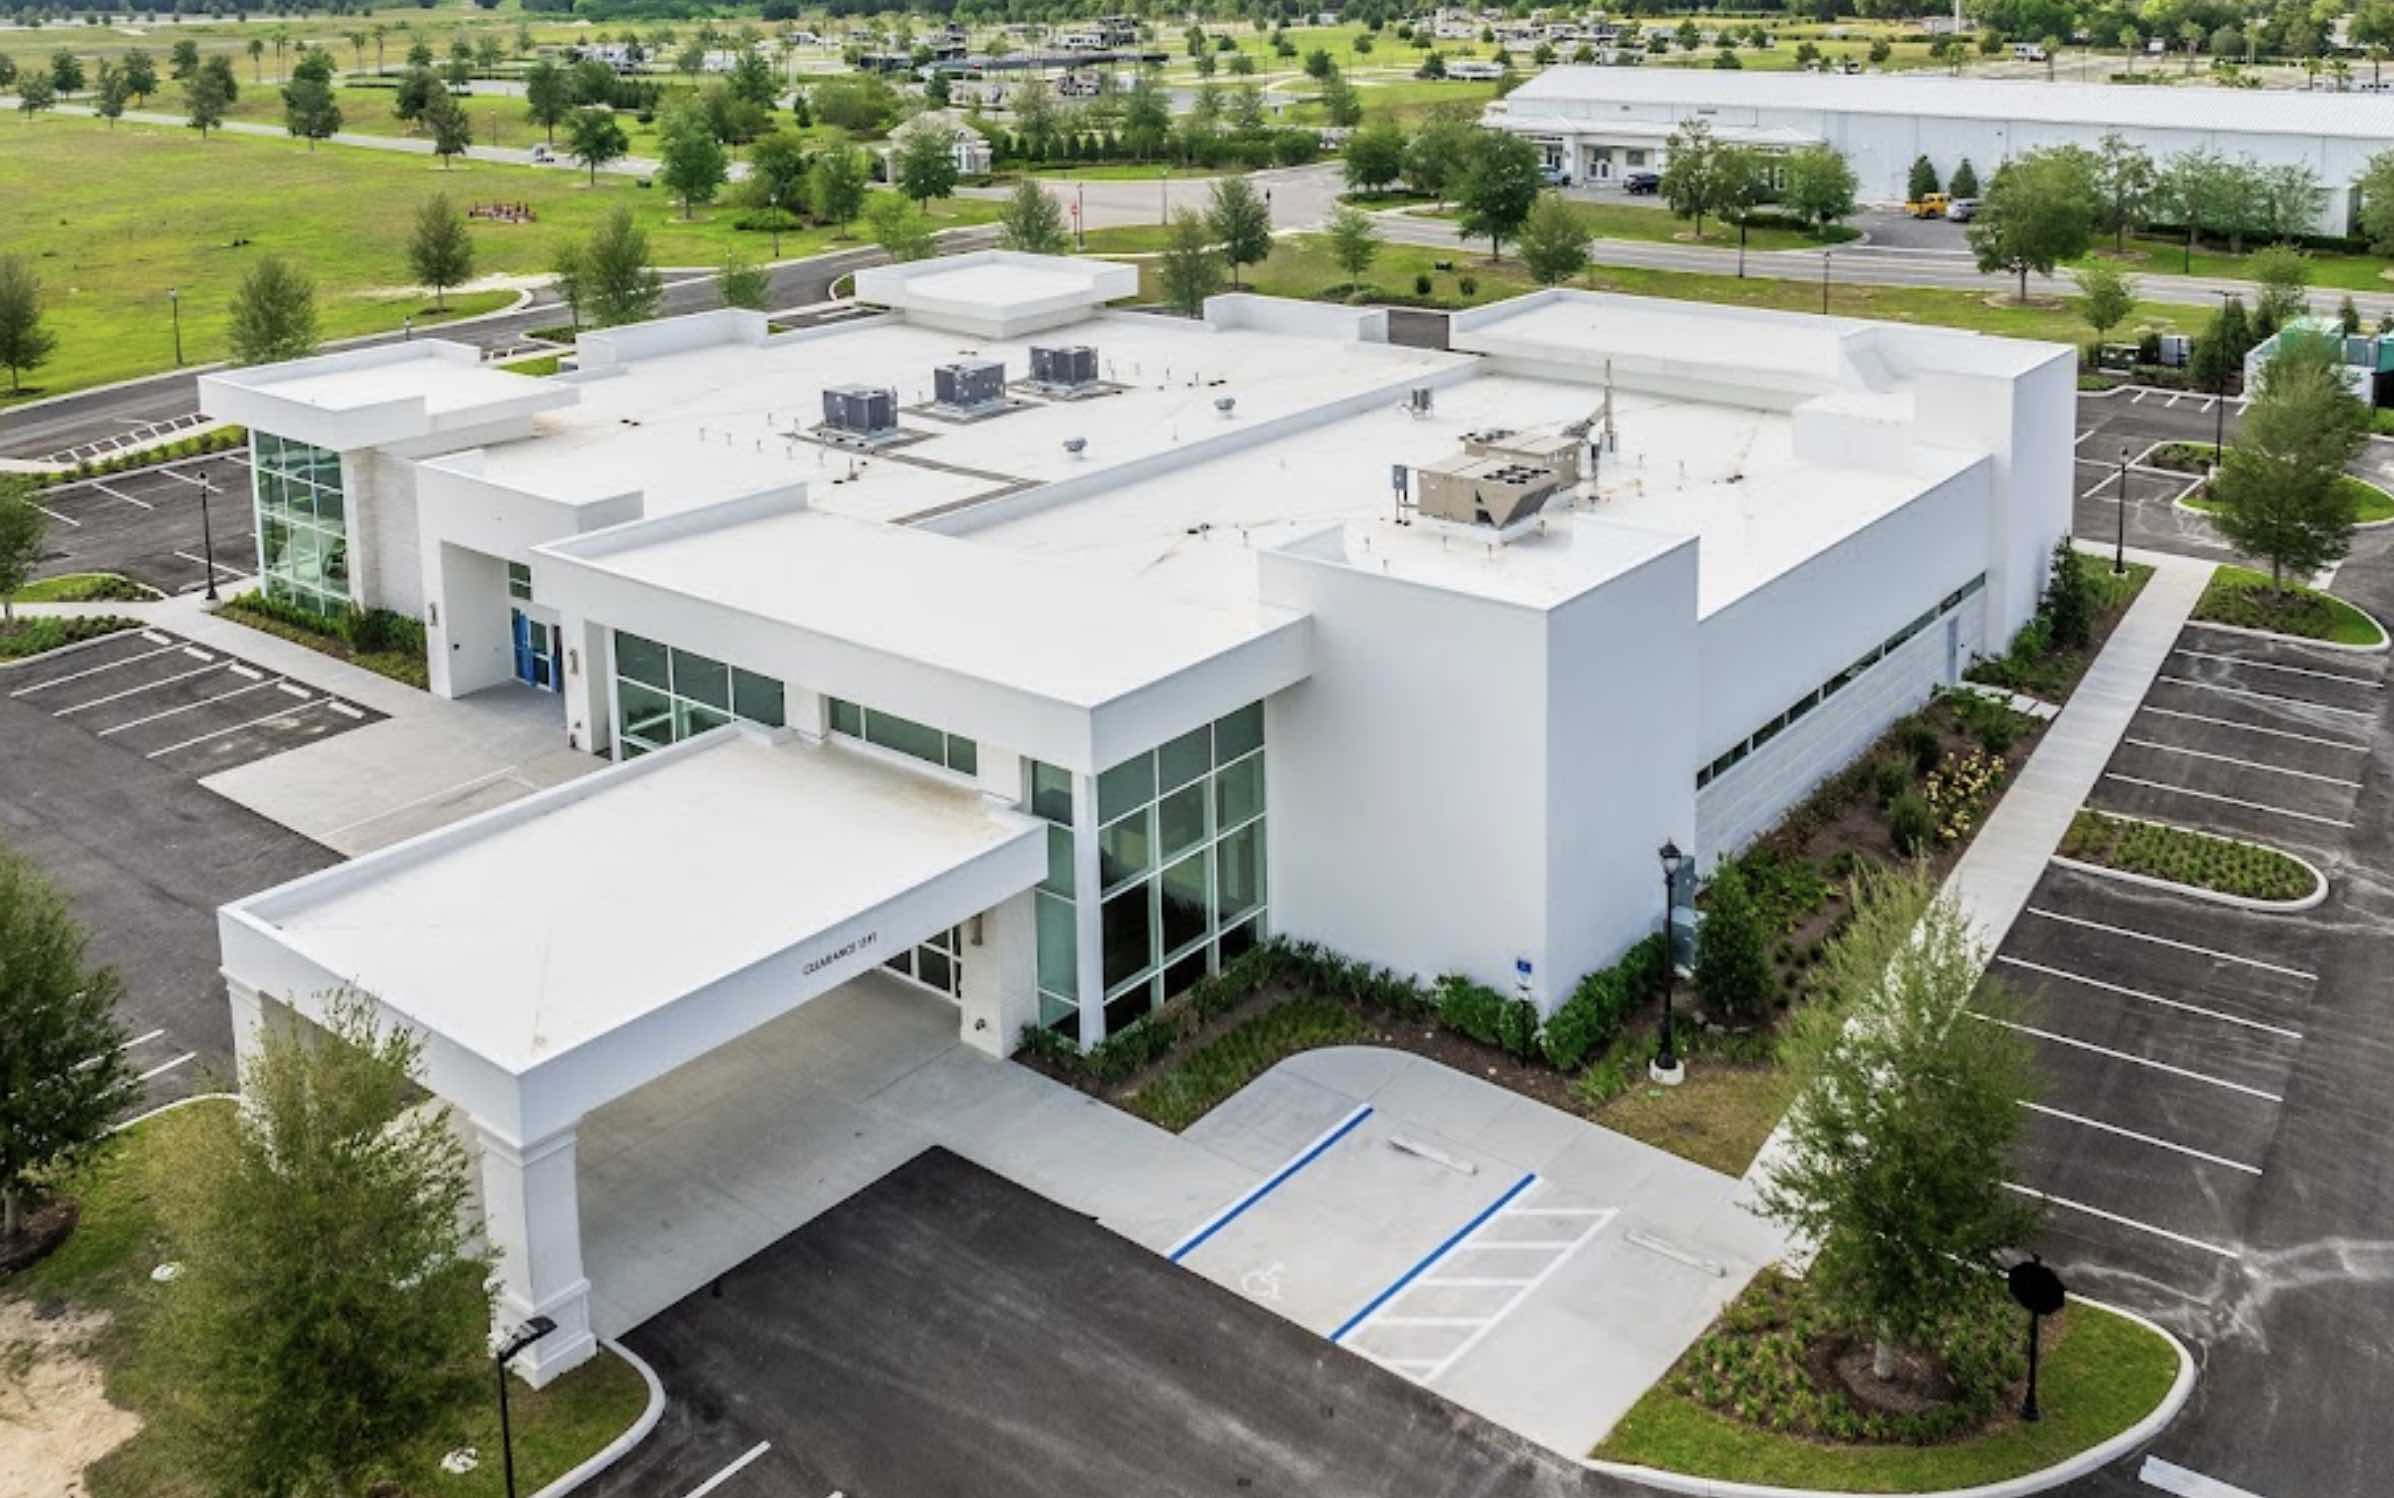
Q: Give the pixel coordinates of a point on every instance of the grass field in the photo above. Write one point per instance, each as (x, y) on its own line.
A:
(2370, 504)
(2158, 255)
(113, 217)
(2243, 597)
(1620, 221)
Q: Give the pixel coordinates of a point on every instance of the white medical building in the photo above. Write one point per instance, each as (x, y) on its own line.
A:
(1048, 657)
(1599, 123)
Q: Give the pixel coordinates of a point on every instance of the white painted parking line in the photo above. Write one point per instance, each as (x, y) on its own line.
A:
(346, 711)
(2151, 998)
(2208, 686)
(88, 1062)
(2170, 941)
(291, 689)
(139, 504)
(160, 1071)
(2127, 1222)
(2275, 733)
(54, 515)
(185, 477)
(2127, 1056)
(2139, 396)
(147, 686)
(289, 712)
(185, 708)
(2185, 1482)
(199, 561)
(2249, 764)
(59, 681)
(2154, 1140)
(2370, 682)
(2179, 790)
(724, 1476)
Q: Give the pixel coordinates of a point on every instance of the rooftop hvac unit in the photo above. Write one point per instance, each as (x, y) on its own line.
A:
(861, 410)
(968, 384)
(1417, 400)
(1067, 367)
(1494, 493)
(1556, 452)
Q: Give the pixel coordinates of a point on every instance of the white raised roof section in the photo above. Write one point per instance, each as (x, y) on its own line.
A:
(997, 293)
(376, 396)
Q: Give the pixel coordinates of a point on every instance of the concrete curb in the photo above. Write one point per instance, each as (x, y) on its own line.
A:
(2270, 634)
(181, 1102)
(617, 1449)
(2194, 891)
(2069, 1469)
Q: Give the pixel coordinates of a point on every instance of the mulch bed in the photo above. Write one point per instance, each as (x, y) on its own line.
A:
(38, 1234)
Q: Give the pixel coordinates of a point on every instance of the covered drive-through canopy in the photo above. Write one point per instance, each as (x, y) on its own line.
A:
(558, 953)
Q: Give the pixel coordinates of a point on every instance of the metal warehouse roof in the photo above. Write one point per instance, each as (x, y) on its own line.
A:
(1569, 90)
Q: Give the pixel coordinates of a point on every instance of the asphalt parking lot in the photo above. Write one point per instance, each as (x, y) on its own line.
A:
(2167, 1027)
(147, 525)
(2134, 419)
(192, 709)
(1024, 1350)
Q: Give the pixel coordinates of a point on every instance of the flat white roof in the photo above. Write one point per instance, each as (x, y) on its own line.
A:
(444, 384)
(522, 937)
(1575, 91)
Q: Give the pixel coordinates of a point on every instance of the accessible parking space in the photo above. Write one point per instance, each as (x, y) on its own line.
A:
(2167, 1027)
(193, 709)
(1025, 1350)
(148, 526)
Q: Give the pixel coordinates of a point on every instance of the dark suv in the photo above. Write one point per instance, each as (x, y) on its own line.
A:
(1642, 183)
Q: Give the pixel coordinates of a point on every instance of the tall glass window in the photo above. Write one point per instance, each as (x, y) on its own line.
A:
(1049, 797)
(664, 695)
(937, 964)
(1180, 846)
(302, 524)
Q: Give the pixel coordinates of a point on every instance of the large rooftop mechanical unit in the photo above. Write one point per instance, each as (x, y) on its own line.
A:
(1556, 452)
(1484, 493)
(1064, 367)
(969, 384)
(861, 410)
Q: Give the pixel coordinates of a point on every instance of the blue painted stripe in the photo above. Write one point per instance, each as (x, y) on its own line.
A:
(1434, 1255)
(1269, 1184)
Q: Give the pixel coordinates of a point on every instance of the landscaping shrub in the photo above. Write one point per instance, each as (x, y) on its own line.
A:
(1471, 1008)
(1053, 1047)
(1910, 823)
(1468, 285)
(1137, 1045)
(1733, 965)
(1920, 740)
(1517, 1028)
(2184, 856)
(1994, 724)
(34, 635)
(1422, 284)
(1957, 791)
(1215, 1070)
(1890, 777)
(1588, 1021)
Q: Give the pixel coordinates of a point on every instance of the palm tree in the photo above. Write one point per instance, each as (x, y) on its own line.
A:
(281, 36)
(380, 31)
(357, 44)
(257, 49)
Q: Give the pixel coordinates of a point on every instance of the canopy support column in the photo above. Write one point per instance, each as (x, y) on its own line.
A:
(534, 1215)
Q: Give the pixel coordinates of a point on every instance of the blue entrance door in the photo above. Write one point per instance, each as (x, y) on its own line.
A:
(535, 652)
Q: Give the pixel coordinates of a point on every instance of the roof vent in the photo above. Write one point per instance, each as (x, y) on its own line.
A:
(1076, 445)
(1225, 404)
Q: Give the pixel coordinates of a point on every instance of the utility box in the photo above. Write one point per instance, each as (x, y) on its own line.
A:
(969, 384)
(861, 410)
(1065, 367)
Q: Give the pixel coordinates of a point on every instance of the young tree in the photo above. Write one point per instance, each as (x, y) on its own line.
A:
(2124, 186)
(220, 67)
(594, 139)
(1375, 156)
(440, 252)
(1691, 174)
(414, 94)
(2279, 491)
(1501, 182)
(1354, 242)
(2069, 603)
(899, 227)
(1923, 179)
(183, 59)
(835, 186)
(1554, 241)
(1341, 106)
(274, 313)
(1964, 183)
(110, 97)
(1900, 1139)
(2197, 189)
(452, 131)
(691, 162)
(66, 72)
(1189, 269)
(1032, 222)
(308, 109)
(35, 93)
(743, 283)
(204, 101)
(925, 165)
(1240, 222)
(1820, 186)
(2037, 213)
(2106, 295)
(332, 1308)
(60, 1045)
(612, 273)
(1733, 946)
(24, 343)
(1441, 149)
(2284, 275)
(548, 97)
(140, 72)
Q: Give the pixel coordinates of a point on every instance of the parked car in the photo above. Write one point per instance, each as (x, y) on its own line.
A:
(1643, 183)
(1962, 210)
(543, 154)
(1554, 176)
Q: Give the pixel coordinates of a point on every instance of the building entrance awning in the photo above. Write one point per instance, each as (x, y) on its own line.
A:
(558, 952)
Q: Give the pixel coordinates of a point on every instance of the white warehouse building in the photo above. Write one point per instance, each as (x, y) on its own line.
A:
(1048, 657)
(1599, 124)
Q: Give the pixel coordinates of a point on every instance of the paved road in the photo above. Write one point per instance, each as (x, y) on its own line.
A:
(48, 427)
(412, 145)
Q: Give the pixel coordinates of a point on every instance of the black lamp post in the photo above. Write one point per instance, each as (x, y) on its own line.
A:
(1824, 283)
(1665, 1067)
(527, 1334)
(208, 536)
(2119, 539)
(2219, 407)
(174, 302)
(2039, 1292)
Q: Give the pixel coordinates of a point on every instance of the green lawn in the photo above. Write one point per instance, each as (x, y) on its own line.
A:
(33, 635)
(2159, 255)
(105, 1267)
(1122, 171)
(1300, 266)
(2243, 597)
(113, 218)
(2101, 1374)
(83, 587)
(2370, 504)
(1620, 221)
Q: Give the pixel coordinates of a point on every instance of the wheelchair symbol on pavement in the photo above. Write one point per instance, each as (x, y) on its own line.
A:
(1262, 1284)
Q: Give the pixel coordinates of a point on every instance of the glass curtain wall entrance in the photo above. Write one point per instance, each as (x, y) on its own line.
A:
(302, 518)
